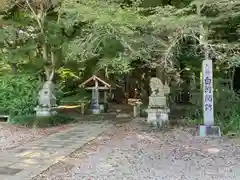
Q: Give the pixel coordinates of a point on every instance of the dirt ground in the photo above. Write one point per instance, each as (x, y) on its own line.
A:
(134, 151)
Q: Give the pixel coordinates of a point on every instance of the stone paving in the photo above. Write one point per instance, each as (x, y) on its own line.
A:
(138, 152)
(29, 160)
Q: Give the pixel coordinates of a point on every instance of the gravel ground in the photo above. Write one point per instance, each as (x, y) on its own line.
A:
(12, 136)
(133, 152)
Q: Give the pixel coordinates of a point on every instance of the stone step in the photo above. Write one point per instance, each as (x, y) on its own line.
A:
(4, 118)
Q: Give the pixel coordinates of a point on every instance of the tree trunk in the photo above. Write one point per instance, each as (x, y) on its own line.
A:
(45, 59)
(14, 68)
(160, 73)
(203, 38)
(53, 60)
(232, 78)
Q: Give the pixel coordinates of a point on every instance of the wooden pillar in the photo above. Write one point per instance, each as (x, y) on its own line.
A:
(95, 97)
(82, 108)
(105, 95)
(136, 109)
(135, 113)
(96, 92)
(127, 87)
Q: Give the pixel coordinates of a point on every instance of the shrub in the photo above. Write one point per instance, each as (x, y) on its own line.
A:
(226, 110)
(41, 122)
(18, 94)
(67, 81)
(76, 98)
(2, 111)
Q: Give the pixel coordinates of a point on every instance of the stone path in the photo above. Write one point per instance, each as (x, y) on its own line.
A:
(137, 152)
(27, 161)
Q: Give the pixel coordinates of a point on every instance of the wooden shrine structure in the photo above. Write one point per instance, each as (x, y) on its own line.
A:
(96, 85)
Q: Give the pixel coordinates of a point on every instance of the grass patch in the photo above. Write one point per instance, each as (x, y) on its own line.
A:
(76, 99)
(41, 122)
(226, 109)
(229, 127)
(193, 121)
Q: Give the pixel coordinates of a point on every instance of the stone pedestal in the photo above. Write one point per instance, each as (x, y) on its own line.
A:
(208, 131)
(157, 101)
(45, 111)
(157, 111)
(158, 116)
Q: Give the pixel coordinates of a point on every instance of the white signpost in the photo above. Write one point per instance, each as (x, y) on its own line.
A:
(208, 107)
(207, 93)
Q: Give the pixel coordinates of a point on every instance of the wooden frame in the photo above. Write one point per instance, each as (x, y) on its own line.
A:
(106, 86)
(95, 78)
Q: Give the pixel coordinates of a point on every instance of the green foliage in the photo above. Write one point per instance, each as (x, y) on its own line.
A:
(4, 69)
(67, 79)
(2, 111)
(115, 35)
(41, 122)
(191, 121)
(18, 94)
(108, 35)
(75, 99)
(154, 38)
(17, 40)
(226, 109)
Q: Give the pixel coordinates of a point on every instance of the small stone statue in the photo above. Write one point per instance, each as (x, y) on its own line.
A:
(46, 96)
(157, 87)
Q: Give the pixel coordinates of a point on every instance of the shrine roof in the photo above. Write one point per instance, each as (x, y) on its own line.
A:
(102, 82)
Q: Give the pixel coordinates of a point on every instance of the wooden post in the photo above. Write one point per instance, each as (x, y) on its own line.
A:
(127, 83)
(105, 95)
(134, 110)
(97, 96)
(96, 91)
(82, 108)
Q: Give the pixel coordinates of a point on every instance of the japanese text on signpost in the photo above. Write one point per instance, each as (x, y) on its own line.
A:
(207, 92)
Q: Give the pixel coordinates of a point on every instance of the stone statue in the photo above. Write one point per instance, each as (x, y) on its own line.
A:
(46, 95)
(157, 107)
(157, 87)
(48, 85)
(46, 100)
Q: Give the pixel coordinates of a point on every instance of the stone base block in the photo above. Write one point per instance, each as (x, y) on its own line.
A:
(45, 111)
(158, 117)
(157, 101)
(208, 131)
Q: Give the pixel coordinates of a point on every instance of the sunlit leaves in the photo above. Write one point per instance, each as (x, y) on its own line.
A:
(110, 21)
